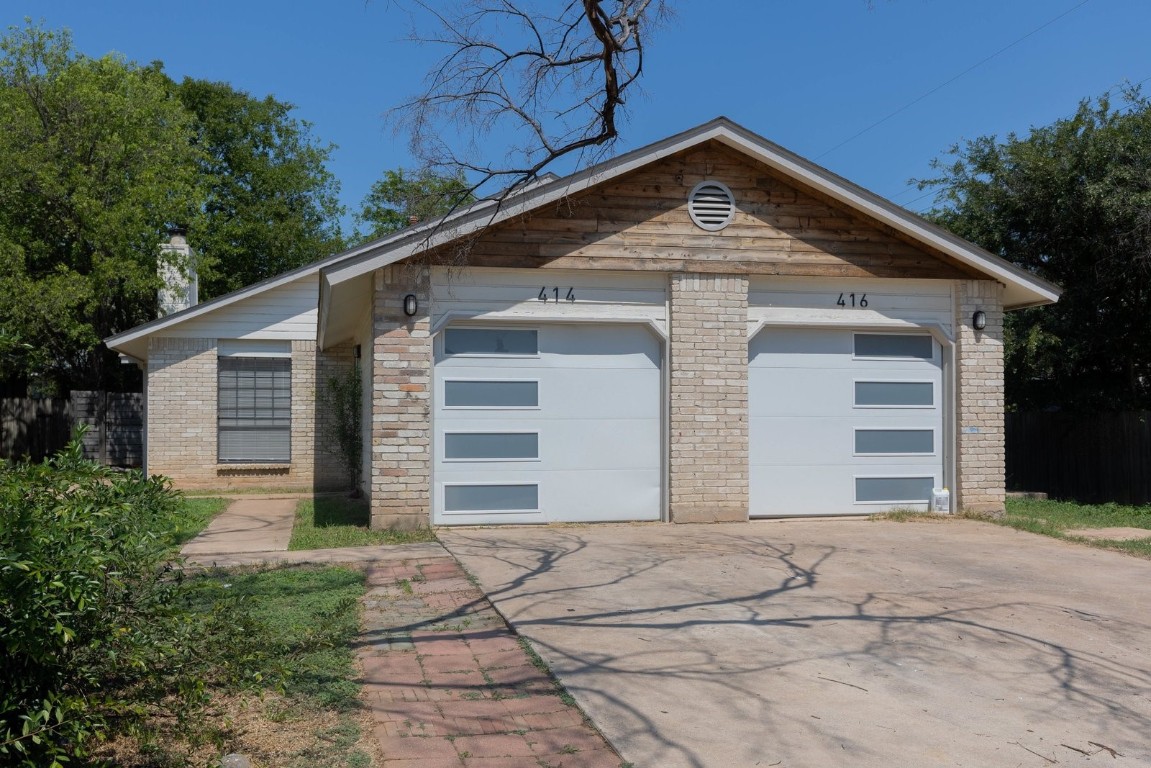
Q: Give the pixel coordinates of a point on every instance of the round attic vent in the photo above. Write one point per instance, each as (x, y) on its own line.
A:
(711, 205)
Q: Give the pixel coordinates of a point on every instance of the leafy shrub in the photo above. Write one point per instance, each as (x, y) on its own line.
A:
(92, 632)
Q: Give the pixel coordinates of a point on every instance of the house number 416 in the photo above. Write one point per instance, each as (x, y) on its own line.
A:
(849, 300)
(553, 294)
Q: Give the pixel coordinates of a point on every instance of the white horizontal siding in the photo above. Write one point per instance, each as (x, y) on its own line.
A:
(285, 312)
(514, 294)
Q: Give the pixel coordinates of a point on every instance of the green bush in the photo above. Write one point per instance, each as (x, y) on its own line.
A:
(92, 633)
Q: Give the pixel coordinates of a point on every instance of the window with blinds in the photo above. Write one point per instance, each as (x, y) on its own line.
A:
(255, 409)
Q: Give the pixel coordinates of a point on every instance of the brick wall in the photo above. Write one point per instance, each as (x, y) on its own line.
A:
(181, 441)
(182, 387)
(708, 414)
(401, 402)
(979, 398)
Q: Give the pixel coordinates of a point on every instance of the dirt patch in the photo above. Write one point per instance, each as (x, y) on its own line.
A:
(271, 731)
(1112, 534)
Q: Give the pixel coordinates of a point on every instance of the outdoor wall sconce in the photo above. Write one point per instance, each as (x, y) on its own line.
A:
(411, 305)
(979, 320)
(356, 352)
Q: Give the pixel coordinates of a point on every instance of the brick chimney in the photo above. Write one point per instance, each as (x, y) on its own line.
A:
(177, 267)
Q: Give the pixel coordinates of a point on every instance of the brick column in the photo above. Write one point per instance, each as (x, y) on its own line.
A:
(979, 398)
(181, 405)
(304, 401)
(708, 416)
(401, 402)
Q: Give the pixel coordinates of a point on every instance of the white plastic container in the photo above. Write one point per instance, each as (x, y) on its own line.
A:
(940, 500)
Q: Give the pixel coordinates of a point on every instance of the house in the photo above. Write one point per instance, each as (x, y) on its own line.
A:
(705, 329)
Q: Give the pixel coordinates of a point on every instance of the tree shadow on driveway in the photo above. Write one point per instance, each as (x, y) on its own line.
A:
(832, 643)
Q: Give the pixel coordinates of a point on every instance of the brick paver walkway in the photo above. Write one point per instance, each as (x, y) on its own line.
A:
(449, 685)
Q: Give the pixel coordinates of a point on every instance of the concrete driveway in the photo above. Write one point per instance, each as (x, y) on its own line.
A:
(834, 643)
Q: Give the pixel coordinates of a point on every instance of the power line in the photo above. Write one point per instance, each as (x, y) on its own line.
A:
(976, 65)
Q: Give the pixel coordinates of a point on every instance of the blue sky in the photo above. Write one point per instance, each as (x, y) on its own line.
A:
(807, 74)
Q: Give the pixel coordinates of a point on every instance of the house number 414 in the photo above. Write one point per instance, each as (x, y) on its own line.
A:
(553, 294)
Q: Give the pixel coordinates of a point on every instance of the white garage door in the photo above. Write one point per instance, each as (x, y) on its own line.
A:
(550, 423)
(843, 422)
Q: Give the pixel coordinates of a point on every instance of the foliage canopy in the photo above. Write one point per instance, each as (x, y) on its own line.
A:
(270, 203)
(1070, 202)
(95, 160)
(98, 158)
(400, 195)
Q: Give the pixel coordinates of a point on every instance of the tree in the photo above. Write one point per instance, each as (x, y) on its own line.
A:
(271, 203)
(553, 77)
(401, 195)
(96, 159)
(1070, 202)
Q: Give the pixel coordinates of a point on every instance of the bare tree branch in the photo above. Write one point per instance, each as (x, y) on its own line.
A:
(549, 84)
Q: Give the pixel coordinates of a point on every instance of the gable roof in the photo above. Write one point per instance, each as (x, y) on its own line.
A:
(1022, 289)
(341, 275)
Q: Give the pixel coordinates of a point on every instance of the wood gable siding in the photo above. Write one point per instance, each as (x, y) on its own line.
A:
(641, 222)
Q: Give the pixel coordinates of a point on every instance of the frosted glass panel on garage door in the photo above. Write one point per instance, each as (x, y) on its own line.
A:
(597, 426)
(813, 430)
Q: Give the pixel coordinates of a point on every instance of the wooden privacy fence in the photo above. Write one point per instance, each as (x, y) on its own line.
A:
(36, 428)
(1093, 458)
(33, 428)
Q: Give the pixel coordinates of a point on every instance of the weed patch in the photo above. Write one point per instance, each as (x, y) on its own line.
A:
(542, 666)
(305, 709)
(909, 516)
(1057, 518)
(327, 522)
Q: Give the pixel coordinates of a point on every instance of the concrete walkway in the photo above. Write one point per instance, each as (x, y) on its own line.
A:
(250, 524)
(445, 678)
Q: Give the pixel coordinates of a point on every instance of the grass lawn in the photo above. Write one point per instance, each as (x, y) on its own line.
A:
(198, 512)
(337, 521)
(304, 711)
(1055, 518)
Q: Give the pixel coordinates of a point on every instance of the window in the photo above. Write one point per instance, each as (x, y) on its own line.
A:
(491, 498)
(894, 489)
(491, 394)
(894, 345)
(894, 394)
(491, 446)
(254, 409)
(491, 341)
(894, 441)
